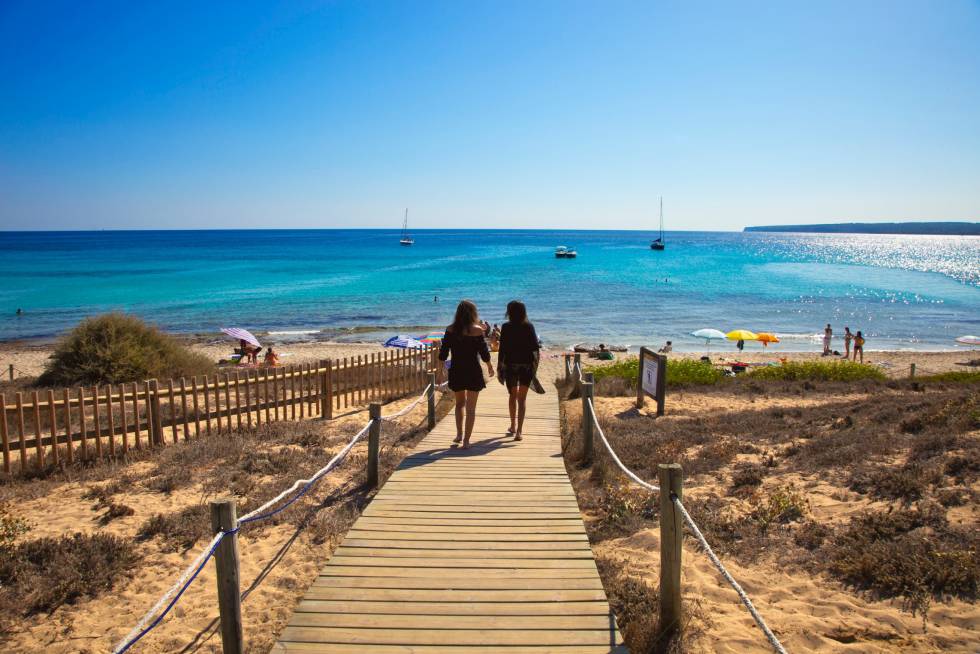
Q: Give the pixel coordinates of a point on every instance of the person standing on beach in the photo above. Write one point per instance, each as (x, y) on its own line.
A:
(859, 346)
(466, 340)
(518, 359)
(848, 337)
(827, 335)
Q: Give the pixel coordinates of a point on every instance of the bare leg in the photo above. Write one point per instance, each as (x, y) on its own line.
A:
(460, 408)
(521, 410)
(471, 398)
(512, 405)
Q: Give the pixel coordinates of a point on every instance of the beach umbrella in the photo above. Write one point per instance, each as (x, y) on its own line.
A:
(969, 340)
(240, 334)
(741, 335)
(708, 335)
(766, 337)
(432, 338)
(404, 341)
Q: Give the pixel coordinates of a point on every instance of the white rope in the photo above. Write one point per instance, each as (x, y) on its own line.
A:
(602, 436)
(206, 552)
(307, 482)
(771, 637)
(697, 533)
(411, 406)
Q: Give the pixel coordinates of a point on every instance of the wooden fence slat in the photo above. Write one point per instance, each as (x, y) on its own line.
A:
(303, 401)
(207, 405)
(66, 400)
(122, 418)
(275, 392)
(97, 421)
(217, 403)
(195, 404)
(37, 430)
(292, 392)
(83, 428)
(136, 416)
(227, 402)
(238, 400)
(21, 430)
(266, 396)
(183, 408)
(248, 399)
(3, 434)
(53, 419)
(111, 420)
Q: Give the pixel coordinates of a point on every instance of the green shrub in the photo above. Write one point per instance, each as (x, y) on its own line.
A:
(844, 371)
(680, 372)
(953, 376)
(115, 348)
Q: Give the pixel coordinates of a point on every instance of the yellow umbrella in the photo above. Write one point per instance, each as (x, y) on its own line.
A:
(741, 335)
(766, 337)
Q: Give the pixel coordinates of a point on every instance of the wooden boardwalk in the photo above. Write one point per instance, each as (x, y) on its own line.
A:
(480, 550)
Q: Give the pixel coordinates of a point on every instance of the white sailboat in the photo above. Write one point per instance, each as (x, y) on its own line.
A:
(406, 237)
(658, 243)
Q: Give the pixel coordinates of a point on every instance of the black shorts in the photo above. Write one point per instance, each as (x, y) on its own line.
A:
(518, 374)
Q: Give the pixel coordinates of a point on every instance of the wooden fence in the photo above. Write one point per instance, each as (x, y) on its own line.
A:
(55, 426)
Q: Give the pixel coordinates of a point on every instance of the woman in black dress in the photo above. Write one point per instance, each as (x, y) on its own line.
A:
(467, 342)
(518, 358)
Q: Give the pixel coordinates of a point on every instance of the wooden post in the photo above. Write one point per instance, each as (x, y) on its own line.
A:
(52, 417)
(224, 518)
(576, 365)
(11, 369)
(323, 368)
(20, 430)
(122, 418)
(111, 419)
(671, 538)
(258, 397)
(97, 421)
(238, 400)
(66, 398)
(267, 396)
(374, 445)
(157, 429)
(37, 430)
(136, 415)
(659, 391)
(195, 404)
(432, 400)
(81, 422)
(3, 433)
(640, 398)
(587, 427)
(291, 373)
(228, 401)
(183, 408)
(912, 371)
(248, 399)
(173, 411)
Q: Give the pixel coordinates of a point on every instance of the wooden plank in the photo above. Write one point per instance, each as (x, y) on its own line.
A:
(173, 411)
(96, 421)
(248, 399)
(292, 392)
(39, 456)
(183, 408)
(373, 648)
(227, 402)
(267, 395)
(136, 415)
(197, 410)
(4, 436)
(452, 608)
(20, 431)
(499, 637)
(597, 622)
(81, 422)
(238, 400)
(53, 420)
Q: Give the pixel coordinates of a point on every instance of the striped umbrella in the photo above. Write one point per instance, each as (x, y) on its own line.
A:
(404, 341)
(432, 338)
(240, 334)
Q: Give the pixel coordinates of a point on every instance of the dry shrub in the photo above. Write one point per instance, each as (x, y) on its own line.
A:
(911, 554)
(179, 530)
(115, 348)
(41, 575)
(782, 505)
(908, 483)
(811, 535)
(635, 602)
(747, 477)
(114, 511)
(623, 509)
(170, 480)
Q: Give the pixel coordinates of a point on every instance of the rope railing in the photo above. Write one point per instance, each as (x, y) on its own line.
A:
(300, 487)
(770, 636)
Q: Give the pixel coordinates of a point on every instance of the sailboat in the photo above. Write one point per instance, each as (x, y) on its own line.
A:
(406, 237)
(658, 244)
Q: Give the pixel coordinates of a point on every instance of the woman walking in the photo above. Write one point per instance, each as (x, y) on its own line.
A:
(465, 339)
(859, 346)
(518, 358)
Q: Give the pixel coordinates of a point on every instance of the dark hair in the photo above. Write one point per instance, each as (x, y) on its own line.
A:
(516, 311)
(466, 317)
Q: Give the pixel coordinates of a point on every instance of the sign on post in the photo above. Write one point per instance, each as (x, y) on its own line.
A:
(652, 378)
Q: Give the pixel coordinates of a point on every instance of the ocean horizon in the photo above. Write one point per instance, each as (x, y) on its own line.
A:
(903, 292)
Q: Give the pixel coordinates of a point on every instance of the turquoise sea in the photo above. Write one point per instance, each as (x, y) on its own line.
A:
(902, 291)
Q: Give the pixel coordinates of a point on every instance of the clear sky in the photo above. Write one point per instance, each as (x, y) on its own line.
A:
(487, 114)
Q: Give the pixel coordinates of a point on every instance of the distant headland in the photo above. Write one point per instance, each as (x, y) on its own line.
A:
(932, 229)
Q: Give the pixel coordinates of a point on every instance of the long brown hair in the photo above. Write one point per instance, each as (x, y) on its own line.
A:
(516, 312)
(466, 317)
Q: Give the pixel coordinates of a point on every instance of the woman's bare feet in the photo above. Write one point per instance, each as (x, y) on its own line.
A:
(518, 437)
(466, 444)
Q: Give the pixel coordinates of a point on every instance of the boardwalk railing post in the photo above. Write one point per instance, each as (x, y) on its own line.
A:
(432, 400)
(671, 537)
(912, 371)
(587, 428)
(156, 419)
(11, 372)
(577, 364)
(374, 445)
(224, 518)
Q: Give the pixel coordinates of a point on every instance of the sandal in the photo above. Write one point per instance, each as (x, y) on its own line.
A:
(456, 441)
(518, 437)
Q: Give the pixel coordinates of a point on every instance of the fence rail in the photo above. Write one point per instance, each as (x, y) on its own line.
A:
(54, 426)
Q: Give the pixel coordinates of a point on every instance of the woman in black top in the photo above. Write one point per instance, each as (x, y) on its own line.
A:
(518, 358)
(467, 342)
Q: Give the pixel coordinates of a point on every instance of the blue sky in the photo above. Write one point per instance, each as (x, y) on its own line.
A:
(484, 114)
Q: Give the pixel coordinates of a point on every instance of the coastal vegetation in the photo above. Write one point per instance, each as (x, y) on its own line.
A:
(114, 348)
(860, 495)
